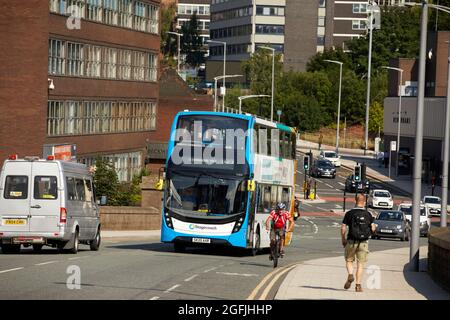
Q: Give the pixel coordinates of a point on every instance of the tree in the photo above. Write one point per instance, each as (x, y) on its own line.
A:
(105, 180)
(192, 43)
(168, 46)
(376, 117)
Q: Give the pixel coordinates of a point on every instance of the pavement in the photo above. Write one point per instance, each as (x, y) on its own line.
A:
(386, 277)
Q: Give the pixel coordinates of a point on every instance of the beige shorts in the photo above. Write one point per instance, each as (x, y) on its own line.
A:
(352, 250)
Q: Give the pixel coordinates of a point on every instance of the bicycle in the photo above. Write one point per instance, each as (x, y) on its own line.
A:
(275, 246)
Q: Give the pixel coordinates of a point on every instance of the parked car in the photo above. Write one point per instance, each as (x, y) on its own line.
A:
(323, 168)
(379, 198)
(433, 204)
(351, 185)
(47, 202)
(331, 156)
(406, 208)
(392, 224)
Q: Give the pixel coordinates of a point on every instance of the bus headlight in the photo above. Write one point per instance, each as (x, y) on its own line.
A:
(238, 225)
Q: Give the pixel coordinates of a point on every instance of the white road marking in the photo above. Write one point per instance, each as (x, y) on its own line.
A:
(190, 278)
(326, 210)
(10, 270)
(342, 184)
(307, 204)
(172, 288)
(210, 269)
(329, 185)
(238, 274)
(154, 298)
(45, 263)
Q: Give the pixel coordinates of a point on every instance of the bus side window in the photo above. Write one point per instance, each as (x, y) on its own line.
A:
(267, 207)
(285, 197)
(262, 141)
(273, 197)
(293, 145)
(275, 143)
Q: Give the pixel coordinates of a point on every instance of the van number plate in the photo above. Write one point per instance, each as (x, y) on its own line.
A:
(14, 222)
(201, 240)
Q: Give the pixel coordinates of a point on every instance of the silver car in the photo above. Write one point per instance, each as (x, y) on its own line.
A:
(392, 224)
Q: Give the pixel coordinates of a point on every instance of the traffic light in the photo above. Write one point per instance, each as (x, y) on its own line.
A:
(306, 162)
(358, 173)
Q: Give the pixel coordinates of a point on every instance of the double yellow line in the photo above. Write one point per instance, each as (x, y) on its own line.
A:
(275, 275)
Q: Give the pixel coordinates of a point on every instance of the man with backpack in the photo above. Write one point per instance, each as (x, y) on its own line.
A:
(359, 223)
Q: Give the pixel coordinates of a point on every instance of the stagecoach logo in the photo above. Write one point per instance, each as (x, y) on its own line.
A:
(196, 226)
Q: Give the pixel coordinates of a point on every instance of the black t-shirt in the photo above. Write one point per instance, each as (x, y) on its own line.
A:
(348, 220)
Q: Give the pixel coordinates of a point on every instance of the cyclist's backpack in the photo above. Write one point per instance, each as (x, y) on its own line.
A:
(361, 226)
(279, 221)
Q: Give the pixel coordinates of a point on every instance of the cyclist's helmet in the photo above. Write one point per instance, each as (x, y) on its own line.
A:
(281, 206)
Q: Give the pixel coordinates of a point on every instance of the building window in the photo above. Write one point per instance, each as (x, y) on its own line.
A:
(125, 13)
(359, 24)
(94, 10)
(97, 117)
(360, 8)
(75, 59)
(56, 60)
(63, 6)
(93, 61)
(320, 40)
(124, 65)
(110, 12)
(110, 63)
(322, 3)
(269, 11)
(321, 22)
(269, 29)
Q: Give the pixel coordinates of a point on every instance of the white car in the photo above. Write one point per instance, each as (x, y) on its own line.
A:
(332, 157)
(406, 208)
(380, 199)
(433, 204)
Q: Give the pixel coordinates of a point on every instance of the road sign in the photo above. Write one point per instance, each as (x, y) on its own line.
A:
(279, 112)
(393, 145)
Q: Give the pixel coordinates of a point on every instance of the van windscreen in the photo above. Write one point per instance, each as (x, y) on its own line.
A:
(45, 187)
(16, 187)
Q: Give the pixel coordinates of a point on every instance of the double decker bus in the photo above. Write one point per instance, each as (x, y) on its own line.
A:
(224, 174)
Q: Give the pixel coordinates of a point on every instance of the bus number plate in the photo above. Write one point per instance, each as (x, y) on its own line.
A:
(201, 240)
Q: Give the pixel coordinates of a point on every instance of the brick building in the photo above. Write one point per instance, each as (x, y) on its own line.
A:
(89, 82)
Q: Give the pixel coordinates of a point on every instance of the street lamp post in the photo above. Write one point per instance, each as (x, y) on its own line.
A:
(249, 97)
(273, 78)
(224, 67)
(179, 48)
(215, 88)
(444, 197)
(339, 101)
(399, 113)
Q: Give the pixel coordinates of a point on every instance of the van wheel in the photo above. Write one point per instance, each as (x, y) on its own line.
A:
(76, 243)
(10, 248)
(37, 247)
(95, 244)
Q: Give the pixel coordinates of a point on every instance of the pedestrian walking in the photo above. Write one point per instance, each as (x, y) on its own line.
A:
(356, 229)
(297, 205)
(320, 141)
(433, 184)
(380, 158)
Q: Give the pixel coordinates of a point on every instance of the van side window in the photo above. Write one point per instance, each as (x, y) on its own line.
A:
(71, 193)
(79, 184)
(16, 187)
(88, 191)
(45, 187)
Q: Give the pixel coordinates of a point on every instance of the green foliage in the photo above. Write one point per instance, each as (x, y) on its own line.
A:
(105, 180)
(168, 41)
(118, 194)
(192, 43)
(376, 117)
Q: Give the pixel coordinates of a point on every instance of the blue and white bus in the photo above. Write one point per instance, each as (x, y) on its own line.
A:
(225, 172)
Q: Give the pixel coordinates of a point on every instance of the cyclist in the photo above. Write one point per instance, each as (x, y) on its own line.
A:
(279, 216)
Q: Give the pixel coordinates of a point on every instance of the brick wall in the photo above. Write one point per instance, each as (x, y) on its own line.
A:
(439, 256)
(130, 218)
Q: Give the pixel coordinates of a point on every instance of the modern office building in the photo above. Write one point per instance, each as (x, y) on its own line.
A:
(187, 8)
(80, 73)
(244, 25)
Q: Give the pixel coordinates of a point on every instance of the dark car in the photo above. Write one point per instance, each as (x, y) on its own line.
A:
(351, 185)
(323, 168)
(392, 224)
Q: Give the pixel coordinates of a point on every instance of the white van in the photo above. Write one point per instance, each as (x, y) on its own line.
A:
(47, 202)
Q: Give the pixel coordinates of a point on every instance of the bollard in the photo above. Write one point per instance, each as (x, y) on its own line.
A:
(315, 189)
